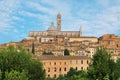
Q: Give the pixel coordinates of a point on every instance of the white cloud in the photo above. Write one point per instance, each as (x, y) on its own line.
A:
(104, 21)
(6, 9)
(107, 21)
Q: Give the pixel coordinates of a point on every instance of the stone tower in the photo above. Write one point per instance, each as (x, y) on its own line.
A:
(58, 22)
(80, 31)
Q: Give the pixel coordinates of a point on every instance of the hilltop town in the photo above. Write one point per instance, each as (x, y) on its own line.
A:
(56, 41)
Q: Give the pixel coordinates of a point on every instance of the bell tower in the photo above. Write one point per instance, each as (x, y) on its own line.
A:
(58, 22)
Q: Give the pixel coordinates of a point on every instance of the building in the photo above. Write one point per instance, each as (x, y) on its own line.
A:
(56, 65)
(111, 42)
(54, 31)
(56, 40)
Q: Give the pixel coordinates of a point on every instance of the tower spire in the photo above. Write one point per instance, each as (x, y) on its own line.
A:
(59, 21)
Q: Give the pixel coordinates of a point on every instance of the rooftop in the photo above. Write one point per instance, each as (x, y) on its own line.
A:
(52, 57)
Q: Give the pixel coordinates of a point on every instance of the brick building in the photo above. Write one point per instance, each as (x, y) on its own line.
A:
(56, 65)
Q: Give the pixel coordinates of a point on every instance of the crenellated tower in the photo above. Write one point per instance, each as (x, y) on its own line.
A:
(58, 22)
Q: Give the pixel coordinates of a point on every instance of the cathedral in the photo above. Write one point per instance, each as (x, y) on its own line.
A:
(55, 31)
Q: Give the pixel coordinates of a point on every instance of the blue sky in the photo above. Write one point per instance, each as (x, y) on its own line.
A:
(97, 17)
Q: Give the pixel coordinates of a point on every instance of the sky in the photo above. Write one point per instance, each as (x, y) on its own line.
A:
(19, 17)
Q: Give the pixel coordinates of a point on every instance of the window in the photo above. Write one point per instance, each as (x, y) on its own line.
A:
(50, 63)
(65, 63)
(48, 69)
(65, 69)
(54, 63)
(48, 75)
(54, 69)
(81, 68)
(76, 68)
(117, 45)
(60, 69)
(81, 61)
(54, 75)
(87, 62)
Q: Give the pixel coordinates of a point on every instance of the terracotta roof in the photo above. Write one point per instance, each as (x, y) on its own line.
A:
(53, 57)
(83, 37)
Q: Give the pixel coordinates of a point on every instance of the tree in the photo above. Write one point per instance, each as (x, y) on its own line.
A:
(71, 72)
(35, 70)
(61, 77)
(18, 59)
(0, 75)
(117, 70)
(33, 48)
(76, 75)
(16, 75)
(101, 66)
(66, 52)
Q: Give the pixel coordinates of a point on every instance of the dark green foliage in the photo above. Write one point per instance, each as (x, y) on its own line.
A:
(102, 66)
(61, 77)
(19, 60)
(33, 48)
(75, 75)
(35, 70)
(50, 79)
(66, 52)
(71, 72)
(0, 74)
(117, 70)
(16, 75)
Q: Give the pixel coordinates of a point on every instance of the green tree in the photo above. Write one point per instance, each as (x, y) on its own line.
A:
(15, 75)
(0, 75)
(35, 70)
(106, 77)
(33, 48)
(61, 77)
(66, 52)
(71, 72)
(117, 70)
(17, 59)
(76, 75)
(100, 67)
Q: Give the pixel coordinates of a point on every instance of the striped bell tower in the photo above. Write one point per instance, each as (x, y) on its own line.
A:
(58, 22)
